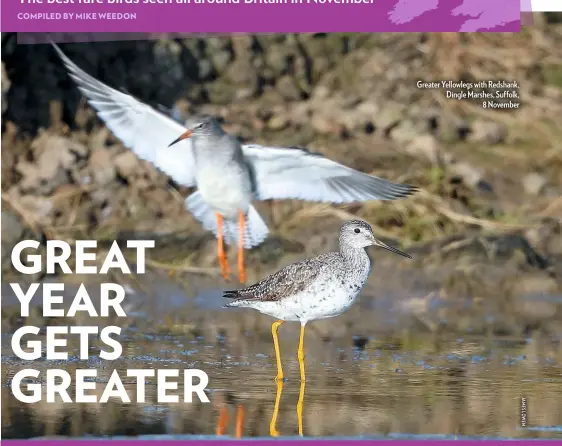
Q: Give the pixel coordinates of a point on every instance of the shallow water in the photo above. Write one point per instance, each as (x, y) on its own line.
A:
(370, 373)
(422, 387)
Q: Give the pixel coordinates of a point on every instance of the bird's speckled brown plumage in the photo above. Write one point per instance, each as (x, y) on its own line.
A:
(287, 281)
(299, 276)
(318, 288)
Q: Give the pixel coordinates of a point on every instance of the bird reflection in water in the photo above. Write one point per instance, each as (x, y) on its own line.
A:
(300, 405)
(222, 422)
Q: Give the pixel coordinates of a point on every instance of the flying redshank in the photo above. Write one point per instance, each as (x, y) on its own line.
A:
(228, 175)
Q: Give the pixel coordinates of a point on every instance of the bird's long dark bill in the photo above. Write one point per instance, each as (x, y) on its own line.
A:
(183, 136)
(392, 249)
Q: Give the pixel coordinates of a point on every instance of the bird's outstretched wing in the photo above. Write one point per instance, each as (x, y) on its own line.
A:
(279, 172)
(141, 128)
(297, 173)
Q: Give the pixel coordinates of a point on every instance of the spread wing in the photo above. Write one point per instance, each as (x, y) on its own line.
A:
(279, 172)
(140, 128)
(297, 173)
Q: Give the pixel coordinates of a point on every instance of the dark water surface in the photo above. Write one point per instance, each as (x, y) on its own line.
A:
(373, 371)
(425, 386)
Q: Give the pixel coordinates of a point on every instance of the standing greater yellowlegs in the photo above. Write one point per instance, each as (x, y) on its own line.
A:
(228, 175)
(317, 288)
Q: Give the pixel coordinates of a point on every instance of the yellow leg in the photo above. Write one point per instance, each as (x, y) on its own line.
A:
(300, 354)
(239, 421)
(274, 327)
(241, 228)
(223, 261)
(300, 405)
(273, 425)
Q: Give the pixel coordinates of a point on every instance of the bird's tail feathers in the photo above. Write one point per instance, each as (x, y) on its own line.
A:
(237, 299)
(255, 229)
(231, 294)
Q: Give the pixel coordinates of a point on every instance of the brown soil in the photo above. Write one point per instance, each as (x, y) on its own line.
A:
(485, 227)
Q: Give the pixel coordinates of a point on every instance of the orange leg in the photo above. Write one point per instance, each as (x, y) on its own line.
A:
(239, 421)
(241, 228)
(225, 269)
(223, 421)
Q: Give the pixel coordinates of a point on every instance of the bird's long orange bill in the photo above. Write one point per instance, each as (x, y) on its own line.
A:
(185, 135)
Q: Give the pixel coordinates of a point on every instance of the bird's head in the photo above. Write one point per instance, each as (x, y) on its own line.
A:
(359, 234)
(200, 125)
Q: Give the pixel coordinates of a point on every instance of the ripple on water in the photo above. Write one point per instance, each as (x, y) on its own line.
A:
(190, 352)
(384, 388)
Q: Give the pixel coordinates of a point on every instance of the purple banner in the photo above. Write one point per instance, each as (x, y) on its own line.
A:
(277, 442)
(260, 16)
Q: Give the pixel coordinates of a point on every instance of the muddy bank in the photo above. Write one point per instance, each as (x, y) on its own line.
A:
(505, 297)
(485, 229)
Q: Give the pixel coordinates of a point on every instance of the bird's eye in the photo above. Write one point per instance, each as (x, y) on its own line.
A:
(357, 230)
